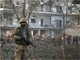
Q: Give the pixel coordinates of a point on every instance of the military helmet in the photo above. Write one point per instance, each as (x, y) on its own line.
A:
(22, 20)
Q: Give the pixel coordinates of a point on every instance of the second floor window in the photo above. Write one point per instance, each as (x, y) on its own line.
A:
(17, 3)
(59, 23)
(1, 17)
(41, 22)
(10, 22)
(33, 20)
(67, 22)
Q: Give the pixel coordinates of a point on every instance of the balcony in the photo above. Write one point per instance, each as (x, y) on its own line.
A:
(44, 27)
(52, 27)
(6, 6)
(50, 13)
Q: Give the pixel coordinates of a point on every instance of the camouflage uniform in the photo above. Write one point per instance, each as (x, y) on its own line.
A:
(21, 45)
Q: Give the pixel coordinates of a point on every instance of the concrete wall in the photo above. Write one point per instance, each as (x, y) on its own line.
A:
(74, 28)
(54, 20)
(74, 19)
(46, 20)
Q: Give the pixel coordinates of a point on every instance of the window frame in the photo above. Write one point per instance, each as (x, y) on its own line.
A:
(33, 21)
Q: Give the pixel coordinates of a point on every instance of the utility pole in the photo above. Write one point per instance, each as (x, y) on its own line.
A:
(0, 52)
(63, 39)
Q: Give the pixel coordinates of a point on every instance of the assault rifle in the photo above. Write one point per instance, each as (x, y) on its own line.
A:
(27, 40)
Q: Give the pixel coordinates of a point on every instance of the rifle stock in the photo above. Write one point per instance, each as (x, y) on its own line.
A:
(23, 38)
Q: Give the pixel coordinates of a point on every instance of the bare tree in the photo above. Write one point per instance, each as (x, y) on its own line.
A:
(50, 4)
(26, 12)
(32, 6)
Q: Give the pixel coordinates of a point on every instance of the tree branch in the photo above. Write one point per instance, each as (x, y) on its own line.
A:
(14, 10)
(31, 8)
(23, 14)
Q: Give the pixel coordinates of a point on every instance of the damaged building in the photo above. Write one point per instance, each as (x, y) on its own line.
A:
(45, 20)
(6, 14)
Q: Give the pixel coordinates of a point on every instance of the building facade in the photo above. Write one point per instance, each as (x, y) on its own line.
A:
(6, 20)
(45, 19)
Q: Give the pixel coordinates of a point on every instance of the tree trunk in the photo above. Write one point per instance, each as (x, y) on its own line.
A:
(63, 51)
(32, 52)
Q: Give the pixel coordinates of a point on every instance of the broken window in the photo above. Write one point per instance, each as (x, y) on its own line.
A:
(33, 20)
(67, 22)
(1, 17)
(41, 22)
(76, 2)
(10, 20)
(59, 23)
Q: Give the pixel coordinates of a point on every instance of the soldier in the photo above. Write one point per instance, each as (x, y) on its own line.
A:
(22, 30)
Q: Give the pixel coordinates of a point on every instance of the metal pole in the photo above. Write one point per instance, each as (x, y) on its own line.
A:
(0, 48)
(0, 51)
(0, 31)
(63, 40)
(63, 43)
(64, 28)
